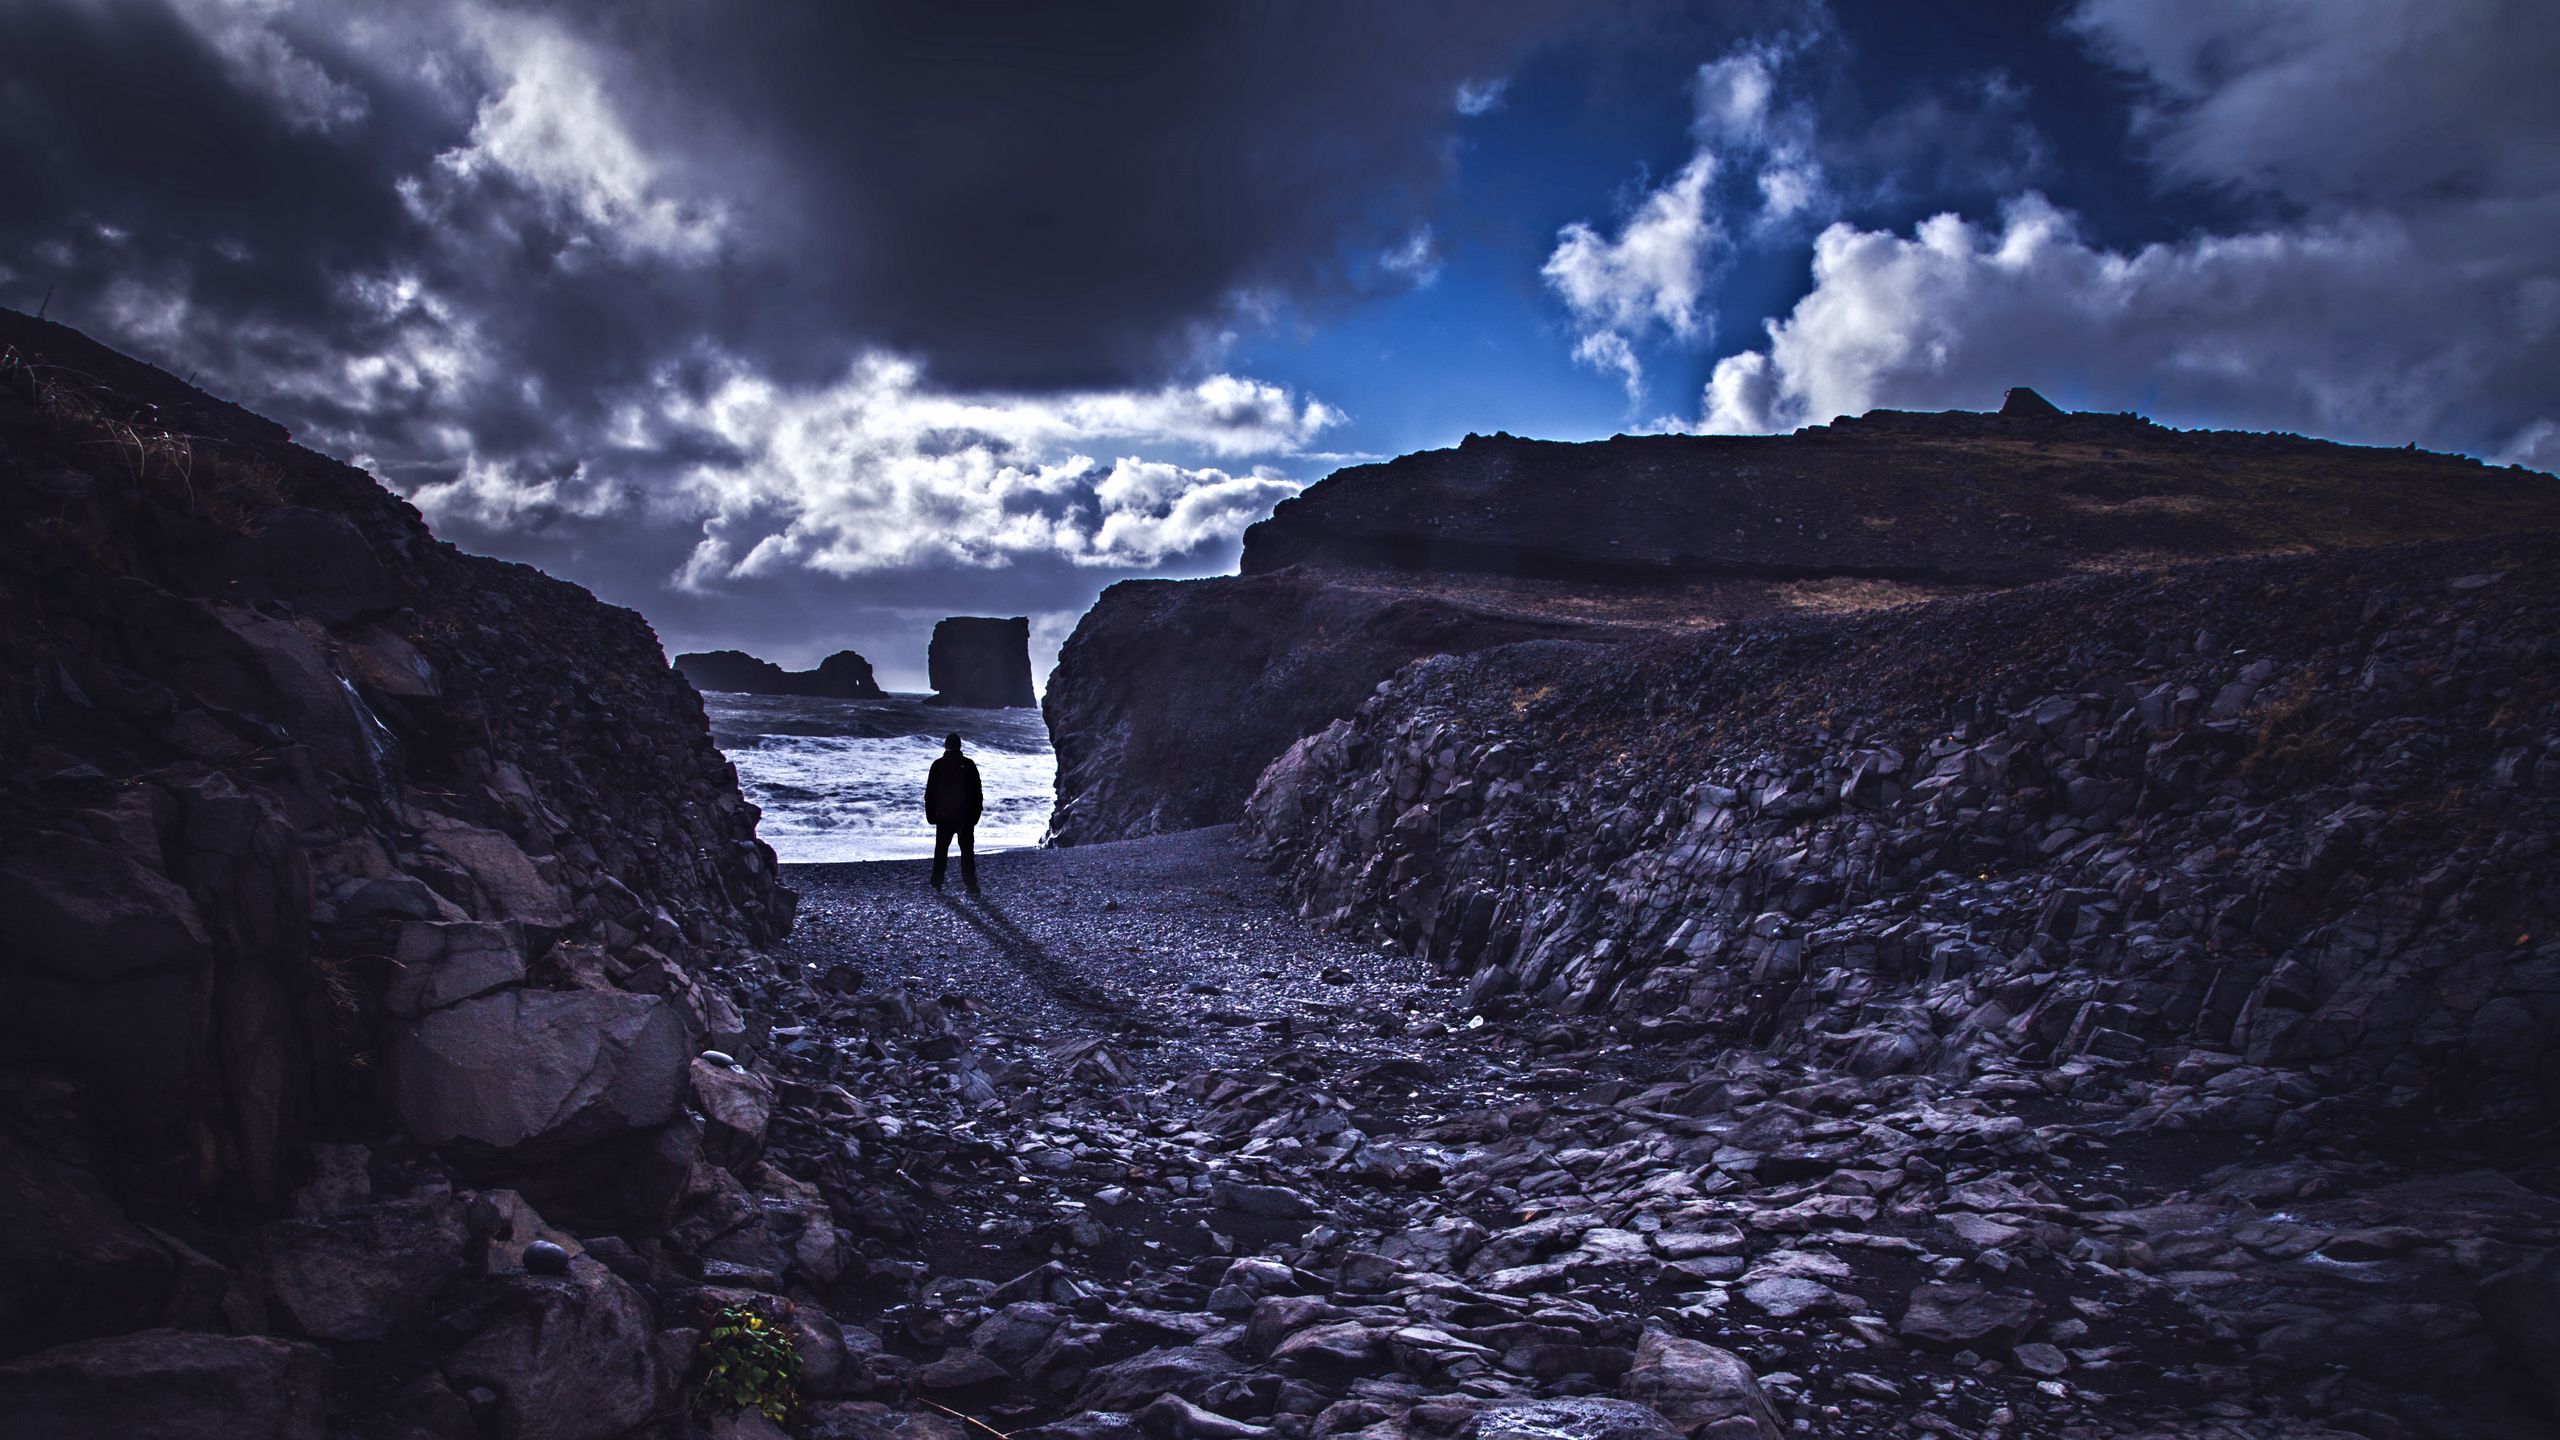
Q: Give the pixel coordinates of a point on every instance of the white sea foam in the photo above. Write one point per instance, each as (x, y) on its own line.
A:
(844, 779)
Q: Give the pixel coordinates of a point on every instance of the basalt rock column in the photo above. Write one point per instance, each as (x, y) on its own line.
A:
(981, 663)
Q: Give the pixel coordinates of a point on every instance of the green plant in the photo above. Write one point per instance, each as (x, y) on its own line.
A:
(749, 1362)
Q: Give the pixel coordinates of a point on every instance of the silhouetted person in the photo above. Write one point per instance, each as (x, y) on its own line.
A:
(952, 801)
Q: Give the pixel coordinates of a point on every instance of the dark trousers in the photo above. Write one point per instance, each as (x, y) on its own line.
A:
(968, 853)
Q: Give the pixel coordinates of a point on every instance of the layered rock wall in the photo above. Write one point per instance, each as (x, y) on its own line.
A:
(2267, 837)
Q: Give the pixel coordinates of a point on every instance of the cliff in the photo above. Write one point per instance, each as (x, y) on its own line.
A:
(2260, 844)
(981, 663)
(1657, 535)
(1169, 693)
(367, 906)
(841, 676)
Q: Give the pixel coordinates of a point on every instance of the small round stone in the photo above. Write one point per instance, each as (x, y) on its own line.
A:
(542, 1257)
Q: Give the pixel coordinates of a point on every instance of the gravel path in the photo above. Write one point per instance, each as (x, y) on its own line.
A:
(1179, 940)
(1125, 1134)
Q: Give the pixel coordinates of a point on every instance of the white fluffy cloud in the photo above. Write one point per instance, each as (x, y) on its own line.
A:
(882, 472)
(2410, 289)
(552, 124)
(1652, 276)
(1653, 271)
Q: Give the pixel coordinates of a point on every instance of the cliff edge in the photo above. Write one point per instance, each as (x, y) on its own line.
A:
(1499, 537)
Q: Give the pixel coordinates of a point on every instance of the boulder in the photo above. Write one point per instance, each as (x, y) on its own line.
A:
(514, 885)
(1966, 1317)
(1704, 1391)
(362, 1273)
(445, 961)
(570, 1357)
(1125, 1385)
(540, 1071)
(736, 1105)
(167, 1385)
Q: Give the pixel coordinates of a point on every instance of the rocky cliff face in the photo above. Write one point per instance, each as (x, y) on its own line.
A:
(2236, 877)
(1501, 537)
(841, 676)
(1171, 694)
(1957, 498)
(365, 900)
(981, 663)
(2266, 842)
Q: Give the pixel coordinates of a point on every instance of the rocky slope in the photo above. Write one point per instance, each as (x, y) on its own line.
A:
(841, 676)
(1500, 536)
(2280, 824)
(365, 905)
(2254, 854)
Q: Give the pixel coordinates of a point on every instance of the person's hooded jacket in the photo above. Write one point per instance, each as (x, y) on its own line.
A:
(951, 794)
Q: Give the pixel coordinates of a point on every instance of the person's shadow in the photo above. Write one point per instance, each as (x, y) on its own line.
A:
(1031, 957)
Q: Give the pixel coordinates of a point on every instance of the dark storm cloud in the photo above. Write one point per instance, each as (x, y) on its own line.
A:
(1032, 196)
(821, 305)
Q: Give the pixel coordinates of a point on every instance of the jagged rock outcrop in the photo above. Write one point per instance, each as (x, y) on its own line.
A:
(2268, 837)
(841, 676)
(368, 902)
(981, 663)
(1171, 694)
(1658, 535)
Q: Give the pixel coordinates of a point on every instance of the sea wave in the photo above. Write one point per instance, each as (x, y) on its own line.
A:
(843, 780)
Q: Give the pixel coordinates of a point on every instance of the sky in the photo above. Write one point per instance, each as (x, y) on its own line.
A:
(797, 327)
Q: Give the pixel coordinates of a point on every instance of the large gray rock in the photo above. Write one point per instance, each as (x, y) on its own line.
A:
(539, 1070)
(514, 884)
(442, 962)
(166, 1385)
(1704, 1391)
(569, 1356)
(363, 1273)
(1125, 1385)
(1966, 1317)
(736, 1105)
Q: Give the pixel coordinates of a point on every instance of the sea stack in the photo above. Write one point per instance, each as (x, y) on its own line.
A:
(841, 676)
(981, 663)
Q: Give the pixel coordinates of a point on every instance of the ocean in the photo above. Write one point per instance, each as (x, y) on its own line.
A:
(844, 779)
